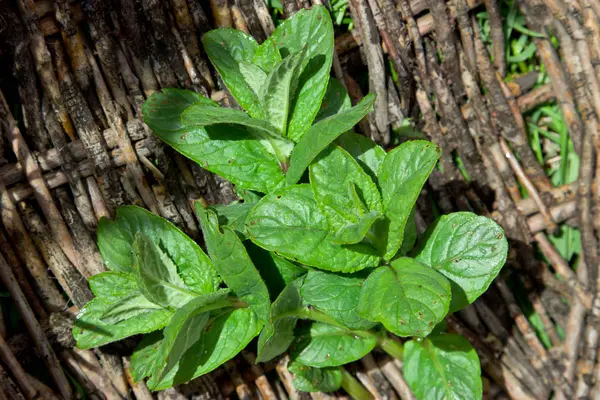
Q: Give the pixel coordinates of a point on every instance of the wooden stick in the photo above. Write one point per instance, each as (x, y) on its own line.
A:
(35, 330)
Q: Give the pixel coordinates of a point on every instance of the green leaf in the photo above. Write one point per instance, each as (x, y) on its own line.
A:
(336, 295)
(115, 241)
(326, 345)
(401, 178)
(254, 76)
(467, 249)
(408, 298)
(90, 331)
(203, 115)
(410, 234)
(442, 367)
(348, 198)
(227, 48)
(278, 334)
(309, 379)
(367, 153)
(127, 307)
(221, 340)
(289, 223)
(278, 91)
(233, 263)
(320, 135)
(156, 275)
(184, 329)
(112, 284)
(336, 100)
(144, 357)
(229, 151)
(233, 215)
(276, 271)
(311, 28)
(267, 56)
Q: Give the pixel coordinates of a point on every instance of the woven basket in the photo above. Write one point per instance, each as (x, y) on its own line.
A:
(74, 76)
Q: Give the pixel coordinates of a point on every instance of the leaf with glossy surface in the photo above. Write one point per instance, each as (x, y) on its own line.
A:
(348, 198)
(320, 135)
(184, 329)
(326, 345)
(401, 178)
(467, 249)
(407, 297)
(157, 276)
(233, 264)
(222, 339)
(227, 48)
(254, 76)
(278, 334)
(311, 28)
(367, 153)
(267, 56)
(310, 379)
(443, 367)
(115, 241)
(227, 150)
(203, 115)
(90, 331)
(128, 306)
(279, 89)
(336, 295)
(289, 223)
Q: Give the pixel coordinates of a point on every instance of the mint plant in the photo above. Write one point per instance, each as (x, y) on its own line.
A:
(320, 258)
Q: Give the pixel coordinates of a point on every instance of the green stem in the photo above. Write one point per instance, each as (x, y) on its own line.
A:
(353, 387)
(393, 348)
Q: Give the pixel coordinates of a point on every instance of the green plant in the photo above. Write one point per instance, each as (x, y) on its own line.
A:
(327, 265)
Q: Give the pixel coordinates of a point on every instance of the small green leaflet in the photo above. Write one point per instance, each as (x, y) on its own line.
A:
(347, 212)
(410, 234)
(184, 329)
(309, 379)
(117, 300)
(267, 56)
(156, 275)
(227, 48)
(311, 28)
(223, 338)
(320, 135)
(143, 358)
(254, 76)
(336, 295)
(127, 307)
(367, 153)
(230, 151)
(278, 92)
(115, 241)
(336, 100)
(233, 263)
(443, 367)
(469, 250)
(407, 297)
(90, 331)
(289, 223)
(278, 334)
(324, 345)
(203, 115)
(401, 178)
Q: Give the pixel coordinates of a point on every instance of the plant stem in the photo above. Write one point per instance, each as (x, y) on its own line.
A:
(353, 387)
(391, 347)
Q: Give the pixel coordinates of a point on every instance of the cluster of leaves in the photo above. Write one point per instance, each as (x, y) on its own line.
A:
(321, 259)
